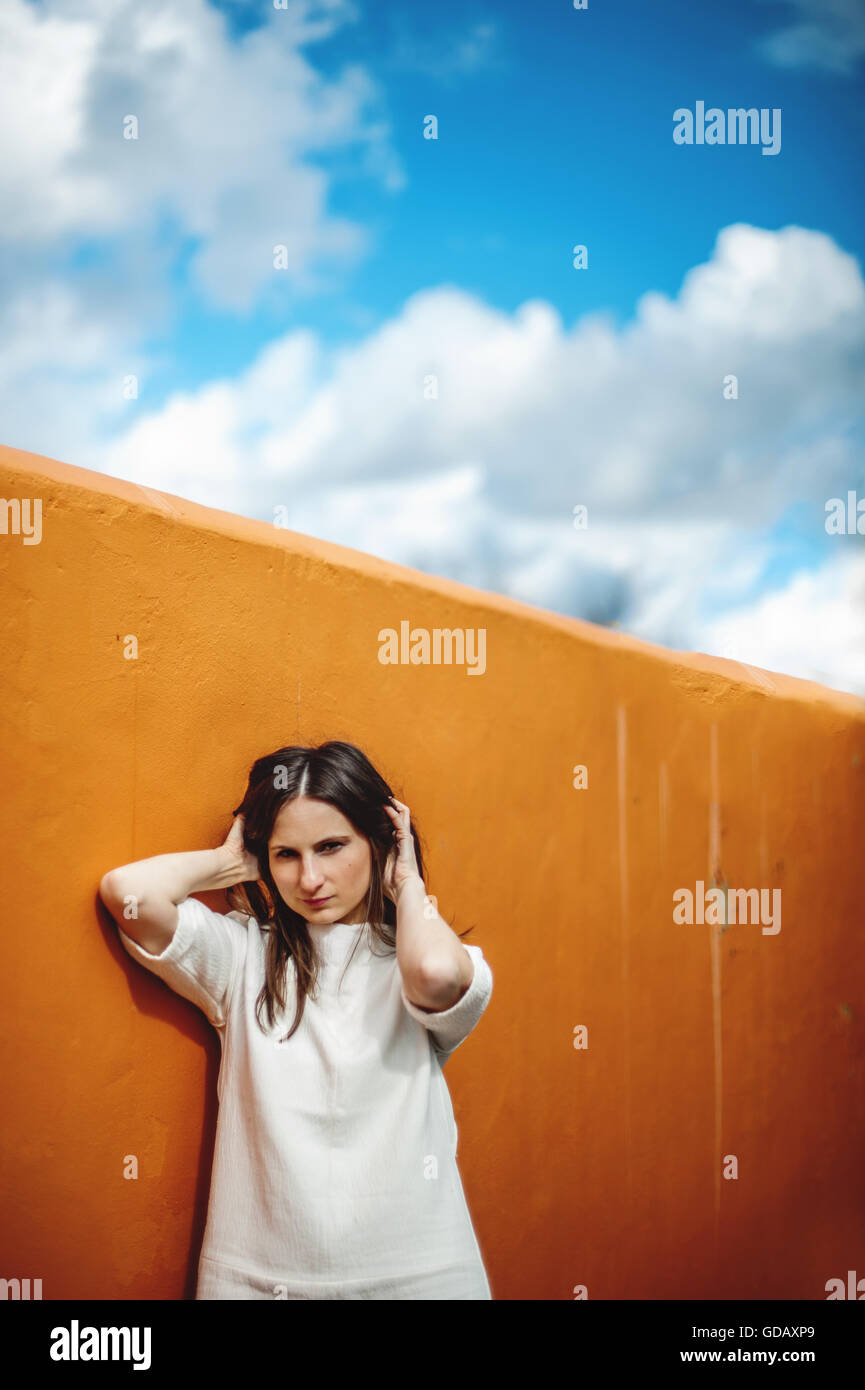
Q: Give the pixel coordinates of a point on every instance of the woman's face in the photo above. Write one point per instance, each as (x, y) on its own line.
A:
(319, 862)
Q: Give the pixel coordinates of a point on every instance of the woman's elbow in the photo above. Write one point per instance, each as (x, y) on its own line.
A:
(443, 983)
(110, 890)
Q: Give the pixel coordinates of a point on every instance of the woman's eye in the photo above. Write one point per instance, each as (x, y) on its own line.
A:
(331, 845)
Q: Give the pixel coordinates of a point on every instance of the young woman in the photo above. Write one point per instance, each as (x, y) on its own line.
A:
(334, 1173)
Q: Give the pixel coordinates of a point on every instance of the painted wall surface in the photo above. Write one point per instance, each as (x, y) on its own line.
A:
(602, 1165)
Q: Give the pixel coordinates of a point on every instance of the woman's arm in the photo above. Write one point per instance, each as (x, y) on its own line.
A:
(436, 968)
(157, 885)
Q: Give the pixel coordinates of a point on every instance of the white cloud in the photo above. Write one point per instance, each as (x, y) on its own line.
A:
(439, 52)
(633, 422)
(815, 627)
(532, 418)
(828, 34)
(222, 165)
(226, 131)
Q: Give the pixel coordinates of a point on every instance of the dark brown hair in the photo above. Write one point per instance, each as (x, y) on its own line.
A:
(340, 774)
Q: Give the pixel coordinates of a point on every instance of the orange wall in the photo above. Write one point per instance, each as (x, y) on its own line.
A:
(600, 1166)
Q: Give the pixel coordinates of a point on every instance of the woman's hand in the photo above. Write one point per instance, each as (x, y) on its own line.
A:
(238, 859)
(401, 862)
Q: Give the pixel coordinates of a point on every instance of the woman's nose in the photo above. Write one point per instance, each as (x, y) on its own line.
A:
(310, 876)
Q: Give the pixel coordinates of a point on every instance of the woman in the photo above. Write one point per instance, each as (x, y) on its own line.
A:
(335, 1173)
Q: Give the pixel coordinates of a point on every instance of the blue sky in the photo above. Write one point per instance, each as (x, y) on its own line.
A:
(561, 119)
(302, 387)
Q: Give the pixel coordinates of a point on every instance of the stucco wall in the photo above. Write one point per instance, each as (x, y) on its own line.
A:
(599, 1166)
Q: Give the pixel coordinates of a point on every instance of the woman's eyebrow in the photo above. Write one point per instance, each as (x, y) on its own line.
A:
(328, 840)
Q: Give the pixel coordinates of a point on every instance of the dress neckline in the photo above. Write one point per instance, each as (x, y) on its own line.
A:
(325, 928)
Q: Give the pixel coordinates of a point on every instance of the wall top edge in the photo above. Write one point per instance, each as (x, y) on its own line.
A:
(704, 674)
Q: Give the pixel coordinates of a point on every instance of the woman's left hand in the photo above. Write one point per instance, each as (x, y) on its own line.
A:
(402, 861)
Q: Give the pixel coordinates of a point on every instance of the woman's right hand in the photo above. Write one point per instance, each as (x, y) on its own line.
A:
(238, 858)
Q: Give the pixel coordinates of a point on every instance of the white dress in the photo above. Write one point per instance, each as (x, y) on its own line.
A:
(334, 1173)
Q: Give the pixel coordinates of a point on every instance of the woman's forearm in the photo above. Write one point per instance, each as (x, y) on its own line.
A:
(430, 955)
(173, 877)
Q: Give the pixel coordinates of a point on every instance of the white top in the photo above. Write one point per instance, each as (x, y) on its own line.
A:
(334, 1173)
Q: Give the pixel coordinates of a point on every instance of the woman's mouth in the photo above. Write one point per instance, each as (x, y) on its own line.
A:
(317, 902)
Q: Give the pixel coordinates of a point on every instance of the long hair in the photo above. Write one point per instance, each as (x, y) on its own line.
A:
(340, 774)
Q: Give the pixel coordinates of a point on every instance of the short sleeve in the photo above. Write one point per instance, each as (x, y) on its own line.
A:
(450, 1027)
(201, 960)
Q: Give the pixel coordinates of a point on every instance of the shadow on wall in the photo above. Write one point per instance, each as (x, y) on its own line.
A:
(149, 996)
